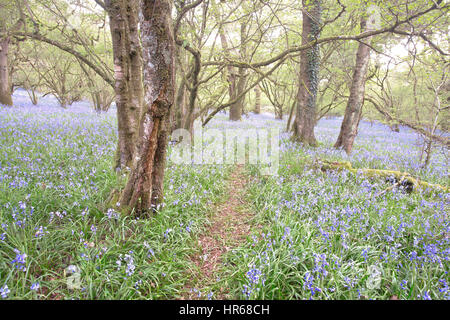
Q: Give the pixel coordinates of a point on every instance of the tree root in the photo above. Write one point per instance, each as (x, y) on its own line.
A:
(401, 178)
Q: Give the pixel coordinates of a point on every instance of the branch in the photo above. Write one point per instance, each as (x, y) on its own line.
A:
(413, 126)
(183, 12)
(101, 4)
(36, 36)
(313, 43)
(424, 37)
(229, 103)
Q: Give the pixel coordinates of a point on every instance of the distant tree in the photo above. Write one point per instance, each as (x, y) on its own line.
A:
(10, 21)
(101, 94)
(257, 109)
(237, 108)
(193, 49)
(58, 74)
(428, 90)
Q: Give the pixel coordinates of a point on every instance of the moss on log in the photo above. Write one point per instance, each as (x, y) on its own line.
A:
(411, 183)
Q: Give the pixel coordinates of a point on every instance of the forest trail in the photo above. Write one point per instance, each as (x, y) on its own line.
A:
(229, 228)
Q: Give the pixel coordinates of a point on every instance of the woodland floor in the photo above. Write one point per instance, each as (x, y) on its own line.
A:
(229, 228)
(226, 232)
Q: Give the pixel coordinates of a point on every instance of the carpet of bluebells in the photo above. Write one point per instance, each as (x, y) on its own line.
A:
(56, 239)
(332, 235)
(339, 235)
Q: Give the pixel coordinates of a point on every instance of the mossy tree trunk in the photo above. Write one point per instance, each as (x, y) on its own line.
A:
(309, 75)
(403, 178)
(144, 188)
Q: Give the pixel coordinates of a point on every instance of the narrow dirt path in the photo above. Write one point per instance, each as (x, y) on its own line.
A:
(229, 228)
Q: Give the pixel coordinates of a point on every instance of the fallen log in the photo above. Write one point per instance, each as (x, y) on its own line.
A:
(402, 178)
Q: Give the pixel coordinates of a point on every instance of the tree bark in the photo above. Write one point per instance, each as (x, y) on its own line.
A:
(291, 113)
(144, 189)
(123, 16)
(193, 93)
(257, 99)
(237, 109)
(352, 116)
(309, 75)
(180, 105)
(5, 88)
(278, 111)
(231, 77)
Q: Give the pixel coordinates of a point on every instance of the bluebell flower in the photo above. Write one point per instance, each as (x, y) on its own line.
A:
(20, 261)
(35, 286)
(4, 291)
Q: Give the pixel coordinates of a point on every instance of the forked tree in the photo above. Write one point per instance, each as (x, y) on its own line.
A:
(143, 191)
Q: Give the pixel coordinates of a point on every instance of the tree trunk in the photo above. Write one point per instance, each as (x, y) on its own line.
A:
(395, 127)
(231, 78)
(193, 93)
(123, 17)
(309, 75)
(238, 108)
(279, 112)
(257, 100)
(33, 95)
(349, 127)
(291, 113)
(144, 189)
(180, 105)
(5, 88)
(135, 55)
(428, 151)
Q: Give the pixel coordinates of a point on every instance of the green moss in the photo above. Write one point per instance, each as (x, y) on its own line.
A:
(378, 173)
